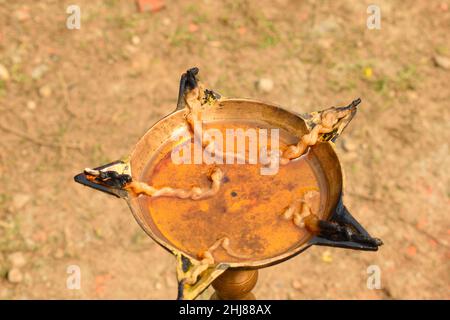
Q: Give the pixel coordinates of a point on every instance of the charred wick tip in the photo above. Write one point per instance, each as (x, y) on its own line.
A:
(351, 106)
(191, 79)
(110, 178)
(188, 81)
(193, 70)
(355, 102)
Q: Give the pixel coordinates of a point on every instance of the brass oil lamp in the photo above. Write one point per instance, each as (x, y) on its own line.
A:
(223, 221)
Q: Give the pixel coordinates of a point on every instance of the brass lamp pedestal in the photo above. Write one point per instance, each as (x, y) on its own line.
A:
(235, 285)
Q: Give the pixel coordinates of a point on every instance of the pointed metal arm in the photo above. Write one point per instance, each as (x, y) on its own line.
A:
(314, 118)
(189, 81)
(109, 178)
(343, 231)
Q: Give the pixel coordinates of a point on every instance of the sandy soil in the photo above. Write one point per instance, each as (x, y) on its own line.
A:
(76, 98)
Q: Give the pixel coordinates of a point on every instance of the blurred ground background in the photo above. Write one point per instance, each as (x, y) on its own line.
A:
(70, 99)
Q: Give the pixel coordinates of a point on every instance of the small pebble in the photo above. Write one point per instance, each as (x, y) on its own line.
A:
(135, 40)
(264, 85)
(15, 275)
(4, 73)
(326, 257)
(45, 91)
(442, 62)
(297, 285)
(31, 105)
(17, 259)
(39, 71)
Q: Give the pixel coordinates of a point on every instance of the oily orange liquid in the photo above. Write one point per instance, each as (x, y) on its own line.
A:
(247, 209)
